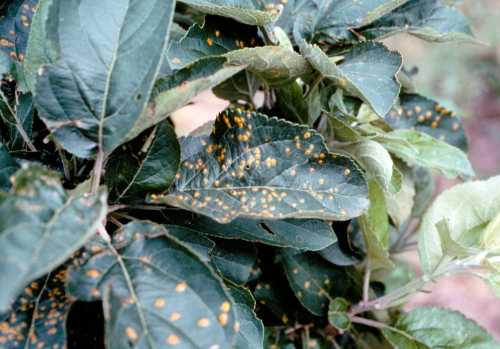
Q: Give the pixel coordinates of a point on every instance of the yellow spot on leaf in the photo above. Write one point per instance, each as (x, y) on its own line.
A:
(180, 287)
(93, 273)
(131, 333)
(173, 339)
(223, 319)
(159, 303)
(175, 316)
(203, 322)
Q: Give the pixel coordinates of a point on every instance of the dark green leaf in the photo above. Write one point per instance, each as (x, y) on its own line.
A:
(426, 116)
(15, 27)
(41, 226)
(37, 318)
(93, 94)
(131, 177)
(233, 259)
(312, 234)
(426, 19)
(235, 172)
(365, 65)
(161, 292)
(438, 328)
(198, 242)
(251, 329)
(293, 104)
(315, 281)
(8, 166)
(245, 11)
(25, 113)
(336, 314)
(243, 86)
(424, 190)
(292, 9)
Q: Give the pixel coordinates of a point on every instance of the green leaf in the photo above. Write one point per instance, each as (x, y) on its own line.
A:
(313, 234)
(400, 205)
(340, 252)
(161, 292)
(426, 19)
(215, 37)
(283, 39)
(37, 318)
(292, 103)
(245, 11)
(492, 280)
(130, 177)
(426, 116)
(275, 65)
(25, 113)
(198, 242)
(291, 9)
(465, 206)
(315, 281)
(41, 226)
(401, 276)
(8, 166)
(15, 27)
(377, 213)
(365, 65)
(233, 259)
(235, 172)
(251, 329)
(93, 94)
(377, 161)
(243, 86)
(432, 153)
(490, 238)
(449, 245)
(438, 328)
(382, 10)
(379, 257)
(343, 132)
(39, 51)
(336, 314)
(424, 190)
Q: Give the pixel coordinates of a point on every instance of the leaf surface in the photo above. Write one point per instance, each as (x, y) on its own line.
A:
(233, 259)
(26, 114)
(235, 172)
(8, 166)
(379, 257)
(161, 292)
(243, 86)
(399, 206)
(198, 242)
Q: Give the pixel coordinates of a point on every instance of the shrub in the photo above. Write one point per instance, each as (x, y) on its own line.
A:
(297, 201)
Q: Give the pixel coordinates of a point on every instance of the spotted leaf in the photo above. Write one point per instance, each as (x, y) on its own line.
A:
(215, 37)
(235, 172)
(365, 65)
(93, 94)
(8, 166)
(15, 27)
(41, 226)
(250, 12)
(162, 293)
(233, 259)
(131, 176)
(315, 281)
(251, 329)
(313, 234)
(426, 19)
(37, 318)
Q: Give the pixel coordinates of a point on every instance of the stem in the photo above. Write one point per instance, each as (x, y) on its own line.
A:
(115, 221)
(376, 324)
(313, 85)
(366, 281)
(104, 234)
(113, 208)
(75, 166)
(126, 216)
(146, 207)
(64, 160)
(267, 96)
(264, 31)
(96, 177)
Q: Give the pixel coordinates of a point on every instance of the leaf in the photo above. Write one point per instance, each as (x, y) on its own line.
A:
(365, 65)
(243, 86)
(8, 166)
(438, 328)
(39, 51)
(424, 190)
(376, 160)
(37, 318)
(199, 243)
(274, 337)
(233, 259)
(377, 213)
(292, 103)
(426, 19)
(283, 39)
(234, 172)
(492, 280)
(379, 257)
(245, 11)
(313, 234)
(41, 226)
(130, 177)
(427, 116)
(15, 27)
(340, 252)
(291, 9)
(275, 65)
(251, 329)
(315, 281)
(343, 132)
(26, 114)
(432, 153)
(336, 314)
(161, 292)
(83, 97)
(399, 206)
(449, 245)
(490, 238)
(464, 206)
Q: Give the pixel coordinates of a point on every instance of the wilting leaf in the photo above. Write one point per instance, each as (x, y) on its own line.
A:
(131, 177)
(438, 327)
(37, 318)
(198, 242)
(25, 113)
(41, 226)
(233, 259)
(313, 234)
(93, 94)
(161, 292)
(426, 19)
(427, 116)
(465, 206)
(365, 65)
(315, 281)
(245, 11)
(8, 166)
(235, 172)
(377, 252)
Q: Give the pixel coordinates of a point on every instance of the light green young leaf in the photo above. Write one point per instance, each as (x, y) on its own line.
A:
(399, 206)
(490, 238)
(377, 212)
(283, 39)
(465, 206)
(449, 245)
(336, 314)
(379, 257)
(432, 153)
(343, 132)
(365, 65)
